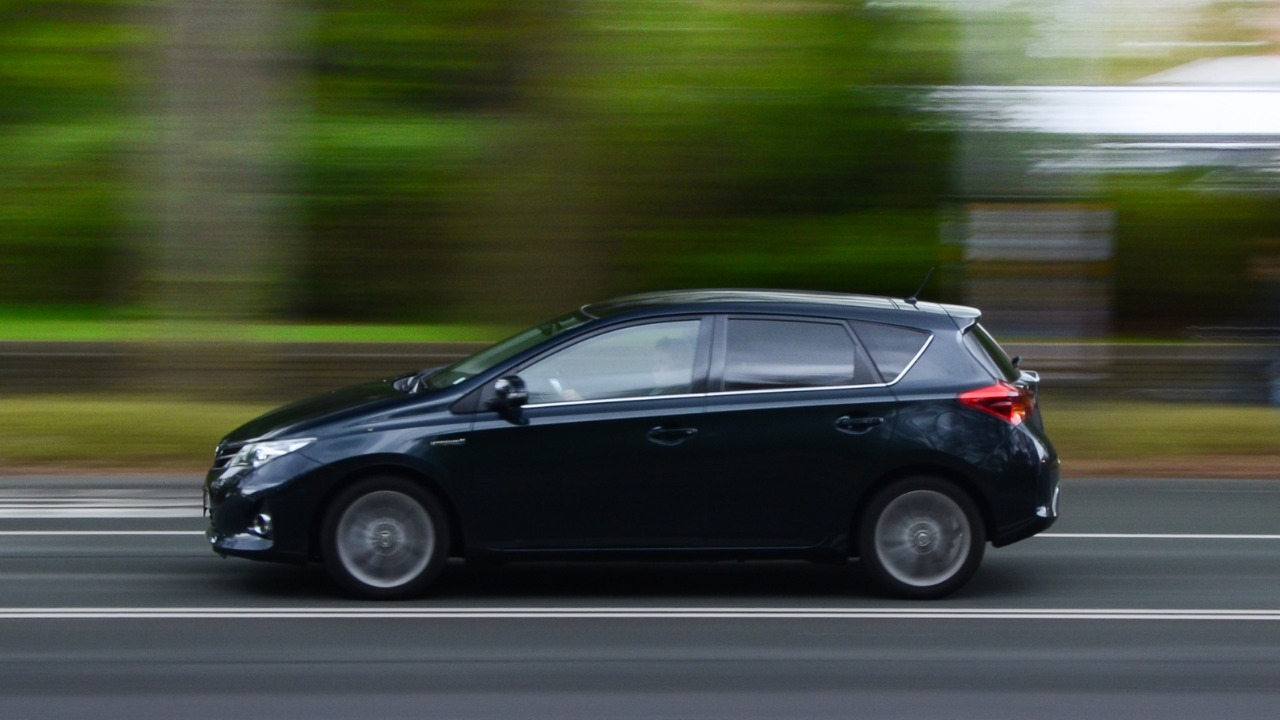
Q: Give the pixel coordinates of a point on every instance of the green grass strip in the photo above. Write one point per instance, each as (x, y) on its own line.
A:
(106, 433)
(91, 330)
(1133, 430)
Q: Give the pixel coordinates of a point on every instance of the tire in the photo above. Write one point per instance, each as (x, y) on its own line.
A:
(921, 538)
(385, 538)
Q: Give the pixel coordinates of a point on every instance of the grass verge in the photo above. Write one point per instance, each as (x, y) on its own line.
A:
(88, 434)
(1136, 439)
(114, 434)
(34, 327)
(1136, 430)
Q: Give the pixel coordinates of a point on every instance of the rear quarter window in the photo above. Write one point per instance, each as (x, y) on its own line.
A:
(892, 347)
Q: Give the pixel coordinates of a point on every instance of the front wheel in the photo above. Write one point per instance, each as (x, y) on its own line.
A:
(385, 538)
(921, 537)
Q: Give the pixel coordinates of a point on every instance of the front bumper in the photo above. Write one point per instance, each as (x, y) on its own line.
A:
(238, 499)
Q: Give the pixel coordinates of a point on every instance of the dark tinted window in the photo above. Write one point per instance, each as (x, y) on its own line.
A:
(989, 353)
(891, 347)
(767, 354)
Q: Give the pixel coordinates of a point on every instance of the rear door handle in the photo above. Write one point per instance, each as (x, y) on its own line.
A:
(670, 436)
(857, 425)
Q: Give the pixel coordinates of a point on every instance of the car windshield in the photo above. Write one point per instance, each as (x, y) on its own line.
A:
(494, 354)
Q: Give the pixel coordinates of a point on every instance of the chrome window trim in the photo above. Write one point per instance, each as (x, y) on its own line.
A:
(767, 391)
(770, 391)
(614, 400)
(928, 341)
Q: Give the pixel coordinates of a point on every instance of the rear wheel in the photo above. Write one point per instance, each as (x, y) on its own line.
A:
(385, 538)
(921, 537)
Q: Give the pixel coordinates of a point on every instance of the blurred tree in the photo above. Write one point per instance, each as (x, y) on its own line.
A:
(409, 97)
(228, 107)
(534, 155)
(65, 118)
(1183, 256)
(506, 159)
(769, 144)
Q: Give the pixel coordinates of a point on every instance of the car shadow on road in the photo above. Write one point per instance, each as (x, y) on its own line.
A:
(580, 583)
(583, 582)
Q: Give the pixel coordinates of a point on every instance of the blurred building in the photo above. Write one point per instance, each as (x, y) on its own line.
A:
(1043, 122)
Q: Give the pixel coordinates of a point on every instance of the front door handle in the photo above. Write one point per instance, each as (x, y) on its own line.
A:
(857, 425)
(670, 436)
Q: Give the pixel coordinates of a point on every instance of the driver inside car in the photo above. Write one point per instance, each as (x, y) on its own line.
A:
(670, 373)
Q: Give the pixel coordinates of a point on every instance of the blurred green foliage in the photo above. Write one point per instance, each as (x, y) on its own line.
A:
(1183, 257)
(561, 150)
(698, 143)
(65, 89)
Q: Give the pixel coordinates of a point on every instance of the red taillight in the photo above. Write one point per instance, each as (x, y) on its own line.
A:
(1004, 400)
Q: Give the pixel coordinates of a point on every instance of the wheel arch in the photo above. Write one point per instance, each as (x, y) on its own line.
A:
(964, 482)
(457, 538)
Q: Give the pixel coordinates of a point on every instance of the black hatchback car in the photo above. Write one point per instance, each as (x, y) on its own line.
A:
(711, 424)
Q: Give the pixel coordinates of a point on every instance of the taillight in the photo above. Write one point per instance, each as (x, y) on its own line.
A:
(1004, 400)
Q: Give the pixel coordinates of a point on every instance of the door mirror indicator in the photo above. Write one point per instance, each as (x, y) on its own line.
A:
(509, 394)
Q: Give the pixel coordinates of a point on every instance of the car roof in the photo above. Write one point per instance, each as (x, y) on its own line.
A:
(670, 299)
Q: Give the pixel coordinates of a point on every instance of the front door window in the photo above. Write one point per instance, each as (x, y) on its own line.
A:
(638, 361)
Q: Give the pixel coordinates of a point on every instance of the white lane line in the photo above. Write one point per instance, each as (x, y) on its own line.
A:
(1160, 536)
(636, 613)
(50, 507)
(60, 513)
(20, 533)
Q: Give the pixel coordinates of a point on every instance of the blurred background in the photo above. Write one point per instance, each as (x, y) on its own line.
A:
(211, 206)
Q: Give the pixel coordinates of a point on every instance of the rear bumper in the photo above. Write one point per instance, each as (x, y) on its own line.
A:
(1045, 508)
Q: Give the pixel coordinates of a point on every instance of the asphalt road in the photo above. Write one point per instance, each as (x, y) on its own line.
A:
(1151, 598)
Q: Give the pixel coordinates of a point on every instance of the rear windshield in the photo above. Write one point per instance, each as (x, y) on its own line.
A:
(989, 353)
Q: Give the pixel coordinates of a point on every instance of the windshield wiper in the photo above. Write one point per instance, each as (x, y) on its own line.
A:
(416, 382)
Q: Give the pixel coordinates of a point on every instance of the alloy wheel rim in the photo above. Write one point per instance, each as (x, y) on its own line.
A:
(922, 538)
(385, 539)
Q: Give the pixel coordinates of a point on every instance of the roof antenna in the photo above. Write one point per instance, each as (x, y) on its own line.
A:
(916, 295)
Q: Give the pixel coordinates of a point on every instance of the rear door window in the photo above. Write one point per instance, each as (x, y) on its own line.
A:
(771, 354)
(893, 348)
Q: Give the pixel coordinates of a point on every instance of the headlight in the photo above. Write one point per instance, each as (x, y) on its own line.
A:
(255, 454)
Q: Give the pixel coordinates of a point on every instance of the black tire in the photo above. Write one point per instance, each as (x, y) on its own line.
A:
(384, 538)
(921, 538)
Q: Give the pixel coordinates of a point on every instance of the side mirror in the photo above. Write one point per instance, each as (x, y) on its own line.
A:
(1016, 360)
(509, 394)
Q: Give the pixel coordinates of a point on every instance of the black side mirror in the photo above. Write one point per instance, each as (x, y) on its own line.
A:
(509, 394)
(1016, 359)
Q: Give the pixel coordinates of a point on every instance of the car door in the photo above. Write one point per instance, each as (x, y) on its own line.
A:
(601, 456)
(796, 416)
